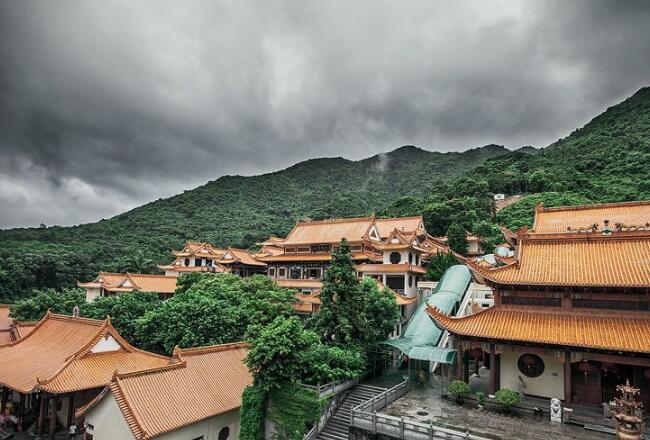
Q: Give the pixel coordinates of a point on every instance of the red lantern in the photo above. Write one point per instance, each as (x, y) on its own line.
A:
(477, 353)
(585, 367)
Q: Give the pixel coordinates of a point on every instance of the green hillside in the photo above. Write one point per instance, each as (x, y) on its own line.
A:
(232, 210)
(606, 160)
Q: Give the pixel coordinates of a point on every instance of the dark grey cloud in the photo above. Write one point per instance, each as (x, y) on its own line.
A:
(106, 105)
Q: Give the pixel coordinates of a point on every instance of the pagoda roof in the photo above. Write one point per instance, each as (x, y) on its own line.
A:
(316, 257)
(628, 332)
(64, 354)
(352, 229)
(242, 256)
(198, 384)
(618, 260)
(199, 249)
(128, 282)
(565, 218)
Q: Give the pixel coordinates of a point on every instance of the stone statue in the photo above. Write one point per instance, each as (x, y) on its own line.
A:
(556, 410)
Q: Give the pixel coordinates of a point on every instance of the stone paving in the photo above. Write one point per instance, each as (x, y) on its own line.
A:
(425, 404)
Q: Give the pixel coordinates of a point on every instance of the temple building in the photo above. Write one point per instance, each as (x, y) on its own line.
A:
(60, 365)
(391, 250)
(110, 284)
(10, 329)
(196, 396)
(572, 310)
(203, 257)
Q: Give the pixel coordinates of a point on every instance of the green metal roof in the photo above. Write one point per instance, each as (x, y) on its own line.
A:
(420, 340)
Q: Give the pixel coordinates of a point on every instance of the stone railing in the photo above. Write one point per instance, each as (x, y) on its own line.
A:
(365, 417)
(332, 387)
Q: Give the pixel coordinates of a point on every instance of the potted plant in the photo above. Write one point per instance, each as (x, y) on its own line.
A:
(508, 399)
(459, 390)
(480, 400)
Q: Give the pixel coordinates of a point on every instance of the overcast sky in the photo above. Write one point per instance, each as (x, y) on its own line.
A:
(105, 105)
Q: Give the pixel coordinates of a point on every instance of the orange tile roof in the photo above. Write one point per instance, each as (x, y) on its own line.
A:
(558, 220)
(315, 257)
(218, 268)
(629, 332)
(585, 260)
(127, 282)
(5, 320)
(240, 256)
(199, 250)
(40, 359)
(329, 231)
(300, 284)
(390, 268)
(405, 225)
(202, 383)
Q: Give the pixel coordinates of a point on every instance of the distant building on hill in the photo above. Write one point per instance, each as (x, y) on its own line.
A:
(203, 257)
(110, 284)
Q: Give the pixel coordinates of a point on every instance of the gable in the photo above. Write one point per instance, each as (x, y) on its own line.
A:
(106, 344)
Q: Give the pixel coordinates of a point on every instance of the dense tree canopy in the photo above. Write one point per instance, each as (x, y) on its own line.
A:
(39, 302)
(215, 309)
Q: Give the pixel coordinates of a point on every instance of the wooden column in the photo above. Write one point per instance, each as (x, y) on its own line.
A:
(42, 408)
(568, 400)
(466, 366)
(53, 404)
(459, 364)
(70, 408)
(497, 365)
(5, 393)
(493, 370)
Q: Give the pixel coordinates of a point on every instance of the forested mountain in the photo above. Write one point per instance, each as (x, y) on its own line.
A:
(606, 160)
(232, 210)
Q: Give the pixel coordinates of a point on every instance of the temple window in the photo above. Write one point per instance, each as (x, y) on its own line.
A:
(410, 258)
(282, 272)
(417, 260)
(187, 262)
(224, 433)
(197, 261)
(530, 365)
(295, 273)
(272, 272)
(395, 257)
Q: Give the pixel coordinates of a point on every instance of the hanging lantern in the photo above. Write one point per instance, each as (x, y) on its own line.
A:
(585, 367)
(477, 353)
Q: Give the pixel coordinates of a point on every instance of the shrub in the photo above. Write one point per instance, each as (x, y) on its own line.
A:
(480, 398)
(507, 398)
(458, 388)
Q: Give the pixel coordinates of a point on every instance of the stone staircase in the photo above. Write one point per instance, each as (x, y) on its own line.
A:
(338, 426)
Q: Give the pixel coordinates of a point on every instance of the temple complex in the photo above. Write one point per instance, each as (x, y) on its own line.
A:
(572, 309)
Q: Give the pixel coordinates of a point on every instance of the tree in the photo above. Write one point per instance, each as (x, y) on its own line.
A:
(35, 307)
(216, 309)
(277, 351)
(124, 310)
(457, 239)
(291, 409)
(353, 313)
(439, 263)
(338, 317)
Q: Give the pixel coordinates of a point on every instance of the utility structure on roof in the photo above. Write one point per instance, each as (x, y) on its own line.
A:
(572, 311)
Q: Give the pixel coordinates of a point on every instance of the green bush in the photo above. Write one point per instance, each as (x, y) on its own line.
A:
(507, 398)
(480, 398)
(458, 388)
(253, 413)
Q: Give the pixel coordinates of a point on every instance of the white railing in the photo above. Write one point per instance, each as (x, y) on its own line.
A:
(364, 416)
(335, 389)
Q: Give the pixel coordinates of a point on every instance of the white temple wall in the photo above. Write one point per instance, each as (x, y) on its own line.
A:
(550, 384)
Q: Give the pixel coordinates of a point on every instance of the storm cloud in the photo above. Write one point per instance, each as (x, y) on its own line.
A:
(107, 105)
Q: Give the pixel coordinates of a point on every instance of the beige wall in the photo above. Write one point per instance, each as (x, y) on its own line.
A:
(92, 293)
(109, 424)
(549, 384)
